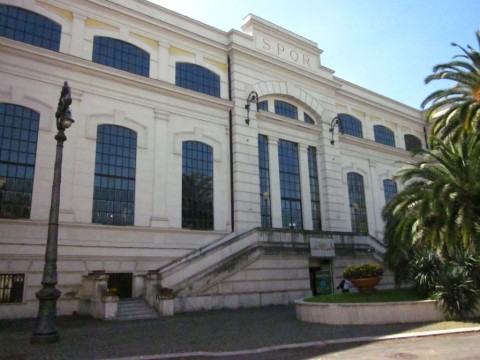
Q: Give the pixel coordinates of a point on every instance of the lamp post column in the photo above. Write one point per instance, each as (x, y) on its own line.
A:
(45, 331)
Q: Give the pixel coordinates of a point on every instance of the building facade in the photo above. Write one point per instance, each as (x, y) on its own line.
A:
(230, 166)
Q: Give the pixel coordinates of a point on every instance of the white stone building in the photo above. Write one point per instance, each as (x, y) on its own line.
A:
(171, 177)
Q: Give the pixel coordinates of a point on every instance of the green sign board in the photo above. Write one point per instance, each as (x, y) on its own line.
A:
(323, 282)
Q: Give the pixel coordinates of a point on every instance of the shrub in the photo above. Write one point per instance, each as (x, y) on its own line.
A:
(363, 271)
(455, 292)
(424, 271)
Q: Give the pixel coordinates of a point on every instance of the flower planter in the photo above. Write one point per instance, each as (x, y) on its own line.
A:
(366, 284)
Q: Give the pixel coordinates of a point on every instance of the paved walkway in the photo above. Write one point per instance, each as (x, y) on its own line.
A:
(200, 333)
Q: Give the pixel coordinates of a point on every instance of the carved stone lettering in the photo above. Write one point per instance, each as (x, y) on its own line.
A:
(284, 51)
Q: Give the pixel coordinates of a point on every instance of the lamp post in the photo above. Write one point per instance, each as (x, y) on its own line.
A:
(45, 331)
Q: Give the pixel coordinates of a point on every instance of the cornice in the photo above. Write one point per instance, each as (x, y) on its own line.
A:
(78, 66)
(370, 145)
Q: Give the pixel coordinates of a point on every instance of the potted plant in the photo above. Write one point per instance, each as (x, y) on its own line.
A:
(165, 293)
(364, 276)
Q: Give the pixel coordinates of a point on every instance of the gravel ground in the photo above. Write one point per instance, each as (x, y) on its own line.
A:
(221, 330)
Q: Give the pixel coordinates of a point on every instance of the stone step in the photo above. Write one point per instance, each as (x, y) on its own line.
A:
(132, 309)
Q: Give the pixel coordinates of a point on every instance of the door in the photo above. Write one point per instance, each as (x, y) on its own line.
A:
(122, 282)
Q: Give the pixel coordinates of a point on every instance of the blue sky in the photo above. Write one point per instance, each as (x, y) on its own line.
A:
(387, 46)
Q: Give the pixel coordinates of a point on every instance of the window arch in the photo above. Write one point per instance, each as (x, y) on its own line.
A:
(350, 125)
(29, 27)
(356, 195)
(412, 142)
(18, 149)
(197, 185)
(114, 184)
(121, 55)
(384, 135)
(389, 189)
(197, 78)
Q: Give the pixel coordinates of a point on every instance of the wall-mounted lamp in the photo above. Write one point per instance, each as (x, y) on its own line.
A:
(335, 123)
(252, 98)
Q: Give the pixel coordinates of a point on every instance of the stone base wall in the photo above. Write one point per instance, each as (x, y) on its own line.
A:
(369, 313)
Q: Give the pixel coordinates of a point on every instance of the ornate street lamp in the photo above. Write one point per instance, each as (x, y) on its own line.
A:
(45, 331)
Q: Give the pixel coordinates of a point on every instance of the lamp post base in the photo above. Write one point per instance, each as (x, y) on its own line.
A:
(45, 330)
(49, 338)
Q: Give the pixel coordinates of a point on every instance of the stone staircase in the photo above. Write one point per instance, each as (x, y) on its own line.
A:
(133, 309)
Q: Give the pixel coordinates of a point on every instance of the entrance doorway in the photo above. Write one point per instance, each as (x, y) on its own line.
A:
(122, 282)
(321, 277)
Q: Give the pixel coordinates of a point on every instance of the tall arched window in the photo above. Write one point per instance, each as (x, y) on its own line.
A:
(384, 135)
(350, 125)
(356, 195)
(29, 27)
(412, 142)
(389, 189)
(18, 150)
(121, 55)
(290, 185)
(115, 167)
(197, 78)
(197, 185)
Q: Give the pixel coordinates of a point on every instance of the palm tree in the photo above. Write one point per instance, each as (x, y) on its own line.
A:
(455, 110)
(439, 208)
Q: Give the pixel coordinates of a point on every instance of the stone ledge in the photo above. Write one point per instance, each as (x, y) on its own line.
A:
(369, 313)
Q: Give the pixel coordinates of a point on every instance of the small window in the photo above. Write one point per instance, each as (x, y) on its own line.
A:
(350, 125)
(285, 109)
(384, 135)
(263, 105)
(412, 143)
(197, 78)
(389, 189)
(314, 188)
(121, 55)
(29, 27)
(11, 288)
(264, 169)
(308, 119)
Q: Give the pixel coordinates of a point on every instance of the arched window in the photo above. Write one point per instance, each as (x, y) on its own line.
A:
(308, 119)
(412, 142)
(389, 189)
(350, 125)
(197, 78)
(290, 185)
(384, 135)
(263, 105)
(29, 27)
(264, 169)
(18, 149)
(197, 185)
(121, 55)
(115, 167)
(356, 195)
(286, 109)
